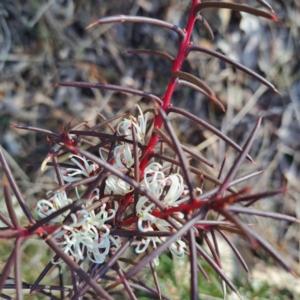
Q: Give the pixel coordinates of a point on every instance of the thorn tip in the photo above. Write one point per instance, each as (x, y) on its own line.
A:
(91, 25)
(276, 91)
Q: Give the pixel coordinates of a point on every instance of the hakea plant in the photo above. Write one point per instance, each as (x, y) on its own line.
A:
(126, 192)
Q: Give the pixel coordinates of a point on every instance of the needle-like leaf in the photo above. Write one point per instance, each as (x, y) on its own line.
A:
(110, 87)
(148, 289)
(17, 265)
(196, 81)
(40, 130)
(56, 166)
(184, 148)
(267, 5)
(201, 269)
(207, 27)
(202, 91)
(233, 63)
(222, 165)
(102, 271)
(9, 233)
(212, 250)
(192, 169)
(136, 168)
(15, 188)
(137, 19)
(9, 205)
(234, 182)
(253, 198)
(6, 221)
(6, 270)
(159, 250)
(271, 251)
(179, 152)
(266, 214)
(137, 233)
(240, 158)
(217, 269)
(71, 185)
(100, 135)
(74, 266)
(75, 282)
(105, 122)
(155, 279)
(208, 127)
(151, 52)
(193, 264)
(119, 174)
(124, 281)
(244, 228)
(99, 180)
(43, 274)
(235, 251)
(235, 6)
(6, 297)
(215, 248)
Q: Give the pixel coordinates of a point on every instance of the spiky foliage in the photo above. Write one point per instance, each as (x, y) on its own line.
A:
(135, 189)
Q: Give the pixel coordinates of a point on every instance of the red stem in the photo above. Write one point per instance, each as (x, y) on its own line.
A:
(158, 121)
(177, 64)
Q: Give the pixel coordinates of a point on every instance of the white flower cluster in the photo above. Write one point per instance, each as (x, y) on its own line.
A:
(85, 168)
(88, 233)
(123, 155)
(171, 190)
(139, 126)
(45, 207)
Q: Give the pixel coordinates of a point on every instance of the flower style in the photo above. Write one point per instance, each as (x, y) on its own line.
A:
(102, 217)
(144, 243)
(101, 248)
(154, 179)
(177, 248)
(143, 213)
(123, 156)
(123, 159)
(142, 121)
(45, 208)
(85, 168)
(176, 190)
(116, 186)
(140, 126)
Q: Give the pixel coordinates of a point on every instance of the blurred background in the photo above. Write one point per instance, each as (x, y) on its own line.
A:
(43, 42)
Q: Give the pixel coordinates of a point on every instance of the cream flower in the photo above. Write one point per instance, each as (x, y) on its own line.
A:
(123, 156)
(85, 168)
(176, 190)
(45, 208)
(81, 238)
(116, 186)
(156, 182)
(140, 125)
(177, 248)
(154, 179)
